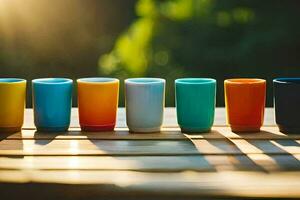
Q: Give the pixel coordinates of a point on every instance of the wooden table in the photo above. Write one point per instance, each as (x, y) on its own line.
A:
(166, 165)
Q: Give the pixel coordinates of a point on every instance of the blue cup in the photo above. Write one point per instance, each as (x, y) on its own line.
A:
(145, 101)
(52, 103)
(195, 104)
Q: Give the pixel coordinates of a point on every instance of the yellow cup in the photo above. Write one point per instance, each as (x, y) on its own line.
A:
(12, 104)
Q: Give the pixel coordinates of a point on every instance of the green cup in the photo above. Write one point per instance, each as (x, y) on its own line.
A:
(195, 104)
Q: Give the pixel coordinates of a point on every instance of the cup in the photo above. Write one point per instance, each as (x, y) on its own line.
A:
(52, 103)
(98, 103)
(245, 103)
(145, 101)
(287, 104)
(12, 104)
(195, 104)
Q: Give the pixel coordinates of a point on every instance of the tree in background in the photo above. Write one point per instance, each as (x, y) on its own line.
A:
(207, 38)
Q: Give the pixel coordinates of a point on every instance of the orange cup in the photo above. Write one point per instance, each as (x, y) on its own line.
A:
(97, 103)
(245, 103)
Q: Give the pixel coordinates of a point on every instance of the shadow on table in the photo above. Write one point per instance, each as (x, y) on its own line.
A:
(158, 155)
(261, 154)
(278, 151)
(9, 144)
(4, 136)
(105, 191)
(42, 138)
(221, 147)
(263, 134)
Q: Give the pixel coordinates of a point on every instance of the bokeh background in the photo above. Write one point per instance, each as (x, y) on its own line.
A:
(150, 38)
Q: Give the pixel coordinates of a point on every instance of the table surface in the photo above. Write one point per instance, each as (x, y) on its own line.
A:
(166, 165)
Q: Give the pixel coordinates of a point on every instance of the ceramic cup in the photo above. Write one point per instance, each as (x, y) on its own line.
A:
(245, 103)
(145, 101)
(52, 103)
(287, 104)
(195, 104)
(98, 103)
(12, 104)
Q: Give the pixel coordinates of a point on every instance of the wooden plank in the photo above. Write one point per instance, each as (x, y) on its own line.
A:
(179, 184)
(96, 147)
(266, 133)
(256, 162)
(251, 146)
(169, 118)
(140, 163)
(118, 134)
(216, 164)
(149, 147)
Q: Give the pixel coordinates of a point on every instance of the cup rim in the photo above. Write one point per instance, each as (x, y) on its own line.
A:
(244, 81)
(291, 80)
(12, 80)
(52, 81)
(144, 81)
(195, 81)
(97, 80)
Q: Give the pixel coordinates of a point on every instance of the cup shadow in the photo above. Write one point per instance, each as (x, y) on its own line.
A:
(12, 144)
(43, 138)
(239, 160)
(288, 143)
(160, 151)
(261, 140)
(4, 136)
(260, 135)
(284, 160)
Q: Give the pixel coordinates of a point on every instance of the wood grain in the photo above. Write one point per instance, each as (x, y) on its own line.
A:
(118, 134)
(149, 147)
(169, 118)
(165, 165)
(142, 184)
(219, 132)
(208, 163)
(96, 147)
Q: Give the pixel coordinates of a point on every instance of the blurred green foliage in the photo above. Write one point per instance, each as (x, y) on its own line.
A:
(208, 38)
(158, 38)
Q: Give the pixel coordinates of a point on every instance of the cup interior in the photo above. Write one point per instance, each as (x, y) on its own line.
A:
(11, 80)
(52, 80)
(97, 80)
(144, 80)
(195, 80)
(245, 81)
(288, 80)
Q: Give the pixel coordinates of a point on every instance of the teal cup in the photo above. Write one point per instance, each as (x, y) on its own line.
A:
(195, 104)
